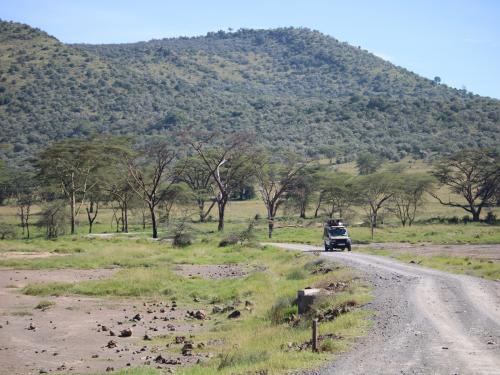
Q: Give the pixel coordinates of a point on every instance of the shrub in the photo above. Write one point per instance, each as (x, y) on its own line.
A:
(296, 274)
(53, 219)
(246, 235)
(7, 231)
(490, 218)
(44, 305)
(183, 235)
(281, 311)
(231, 239)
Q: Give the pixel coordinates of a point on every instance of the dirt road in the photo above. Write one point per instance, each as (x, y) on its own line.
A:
(427, 321)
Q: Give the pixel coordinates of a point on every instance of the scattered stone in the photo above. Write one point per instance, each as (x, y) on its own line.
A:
(31, 327)
(235, 314)
(109, 369)
(43, 371)
(104, 328)
(111, 333)
(147, 338)
(179, 339)
(95, 355)
(217, 309)
(126, 333)
(137, 317)
(195, 299)
(491, 342)
(187, 348)
(444, 347)
(111, 344)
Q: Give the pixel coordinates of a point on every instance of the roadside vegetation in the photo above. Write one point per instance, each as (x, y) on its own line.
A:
(268, 335)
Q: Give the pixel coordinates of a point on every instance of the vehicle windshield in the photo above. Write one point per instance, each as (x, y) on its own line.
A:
(337, 231)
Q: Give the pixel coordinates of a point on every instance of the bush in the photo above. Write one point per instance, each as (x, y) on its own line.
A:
(7, 231)
(296, 274)
(183, 235)
(247, 235)
(490, 218)
(281, 311)
(53, 219)
(231, 239)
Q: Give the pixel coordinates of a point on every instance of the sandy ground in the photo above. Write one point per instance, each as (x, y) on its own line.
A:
(490, 252)
(426, 321)
(69, 337)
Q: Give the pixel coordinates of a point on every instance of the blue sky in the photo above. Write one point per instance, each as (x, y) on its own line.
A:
(456, 40)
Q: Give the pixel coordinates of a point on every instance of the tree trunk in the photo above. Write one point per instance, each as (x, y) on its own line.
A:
(318, 206)
(271, 227)
(302, 210)
(125, 217)
(476, 215)
(72, 207)
(27, 218)
(153, 221)
(201, 208)
(222, 207)
(21, 209)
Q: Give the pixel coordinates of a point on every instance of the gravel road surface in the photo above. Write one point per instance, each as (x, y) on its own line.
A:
(426, 321)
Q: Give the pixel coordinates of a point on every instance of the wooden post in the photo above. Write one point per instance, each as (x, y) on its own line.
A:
(315, 336)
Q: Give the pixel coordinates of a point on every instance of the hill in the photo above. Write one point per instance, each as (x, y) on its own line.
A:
(295, 88)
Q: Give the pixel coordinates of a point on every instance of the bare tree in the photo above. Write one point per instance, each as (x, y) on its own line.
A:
(153, 175)
(472, 174)
(275, 181)
(227, 162)
(409, 195)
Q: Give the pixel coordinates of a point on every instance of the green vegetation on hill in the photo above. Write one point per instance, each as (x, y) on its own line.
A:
(290, 86)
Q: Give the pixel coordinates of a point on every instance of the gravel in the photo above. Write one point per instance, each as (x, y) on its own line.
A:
(426, 321)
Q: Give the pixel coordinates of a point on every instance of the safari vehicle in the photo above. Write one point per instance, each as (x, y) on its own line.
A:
(335, 236)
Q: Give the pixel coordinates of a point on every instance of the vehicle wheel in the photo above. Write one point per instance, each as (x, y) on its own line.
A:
(326, 247)
(348, 247)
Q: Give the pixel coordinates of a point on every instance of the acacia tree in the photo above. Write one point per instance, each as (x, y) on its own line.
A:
(178, 194)
(70, 164)
(337, 190)
(227, 162)
(150, 174)
(409, 194)
(367, 163)
(275, 181)
(301, 192)
(193, 172)
(473, 174)
(373, 192)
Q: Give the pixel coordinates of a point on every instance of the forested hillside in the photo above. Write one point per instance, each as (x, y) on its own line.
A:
(294, 88)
